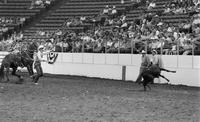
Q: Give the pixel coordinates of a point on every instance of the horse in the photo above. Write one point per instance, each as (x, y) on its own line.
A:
(153, 71)
(19, 59)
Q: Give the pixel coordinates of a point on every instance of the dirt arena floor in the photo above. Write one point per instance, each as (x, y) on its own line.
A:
(80, 99)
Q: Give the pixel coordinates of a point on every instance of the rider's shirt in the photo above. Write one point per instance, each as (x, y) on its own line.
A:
(156, 60)
(38, 57)
(145, 61)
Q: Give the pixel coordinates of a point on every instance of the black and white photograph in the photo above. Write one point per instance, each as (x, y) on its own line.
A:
(99, 60)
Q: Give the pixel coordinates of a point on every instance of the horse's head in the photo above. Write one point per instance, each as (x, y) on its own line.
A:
(33, 47)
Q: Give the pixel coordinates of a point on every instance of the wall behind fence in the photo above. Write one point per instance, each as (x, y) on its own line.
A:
(110, 66)
(123, 66)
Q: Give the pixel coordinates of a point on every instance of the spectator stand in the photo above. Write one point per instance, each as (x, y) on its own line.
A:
(154, 30)
(15, 14)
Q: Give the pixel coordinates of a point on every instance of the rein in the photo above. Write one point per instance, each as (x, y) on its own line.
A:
(29, 58)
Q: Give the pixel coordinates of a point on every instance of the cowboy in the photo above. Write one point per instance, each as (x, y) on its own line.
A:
(156, 61)
(38, 58)
(145, 63)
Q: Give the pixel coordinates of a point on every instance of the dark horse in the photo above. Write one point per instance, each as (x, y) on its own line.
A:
(152, 72)
(20, 59)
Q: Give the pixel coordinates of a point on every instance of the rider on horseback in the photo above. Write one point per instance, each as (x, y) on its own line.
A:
(144, 65)
(155, 62)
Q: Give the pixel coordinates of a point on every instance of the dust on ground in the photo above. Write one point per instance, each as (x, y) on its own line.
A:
(80, 99)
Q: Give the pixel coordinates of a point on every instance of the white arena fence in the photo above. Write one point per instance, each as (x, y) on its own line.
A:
(123, 67)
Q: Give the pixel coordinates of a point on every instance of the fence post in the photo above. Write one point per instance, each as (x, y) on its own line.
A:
(123, 73)
(192, 55)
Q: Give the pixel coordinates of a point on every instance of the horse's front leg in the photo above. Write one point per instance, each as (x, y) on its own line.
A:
(30, 70)
(164, 77)
(162, 69)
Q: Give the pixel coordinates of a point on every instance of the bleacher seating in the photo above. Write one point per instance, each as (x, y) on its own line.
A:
(16, 9)
(70, 9)
(56, 18)
(90, 8)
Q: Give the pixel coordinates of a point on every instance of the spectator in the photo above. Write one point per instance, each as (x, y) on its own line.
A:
(122, 1)
(152, 5)
(114, 12)
(106, 10)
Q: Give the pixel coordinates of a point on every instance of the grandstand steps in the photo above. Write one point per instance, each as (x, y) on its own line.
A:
(19, 11)
(48, 24)
(68, 9)
(184, 16)
(18, 1)
(72, 14)
(46, 12)
(75, 3)
(13, 14)
(51, 21)
(159, 9)
(18, 8)
(13, 7)
(54, 28)
(53, 18)
(95, 6)
(14, 4)
(96, 10)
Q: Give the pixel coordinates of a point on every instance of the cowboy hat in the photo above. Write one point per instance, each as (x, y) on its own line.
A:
(154, 51)
(40, 47)
(143, 52)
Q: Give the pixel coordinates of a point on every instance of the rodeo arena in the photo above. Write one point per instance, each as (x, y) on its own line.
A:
(99, 60)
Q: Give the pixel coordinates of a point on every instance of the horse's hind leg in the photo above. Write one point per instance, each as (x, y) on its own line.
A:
(14, 73)
(148, 86)
(162, 69)
(164, 77)
(6, 74)
(144, 87)
(144, 84)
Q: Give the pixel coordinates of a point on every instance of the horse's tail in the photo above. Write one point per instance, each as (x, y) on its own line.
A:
(2, 72)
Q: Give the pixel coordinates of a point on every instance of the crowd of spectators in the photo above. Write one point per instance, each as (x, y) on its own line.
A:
(6, 22)
(40, 3)
(182, 6)
(12, 21)
(112, 33)
(148, 32)
(12, 43)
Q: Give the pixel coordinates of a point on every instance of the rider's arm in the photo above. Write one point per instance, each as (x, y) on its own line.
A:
(40, 57)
